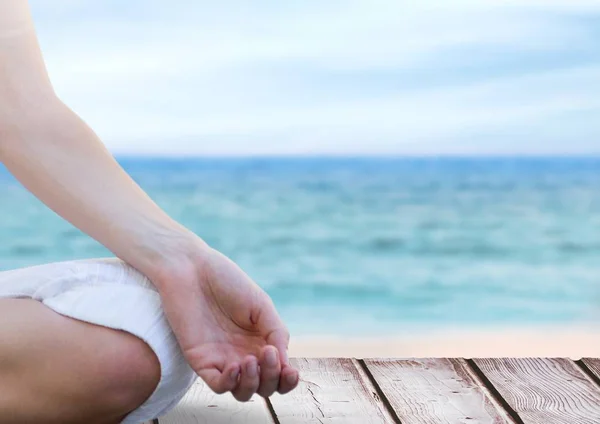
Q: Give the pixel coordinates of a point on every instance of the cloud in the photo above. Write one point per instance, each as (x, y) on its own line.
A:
(342, 77)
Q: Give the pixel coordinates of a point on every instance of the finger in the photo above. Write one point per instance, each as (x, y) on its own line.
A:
(288, 380)
(221, 382)
(249, 380)
(270, 370)
(276, 334)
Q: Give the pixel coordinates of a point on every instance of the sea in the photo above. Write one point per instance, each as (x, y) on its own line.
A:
(369, 246)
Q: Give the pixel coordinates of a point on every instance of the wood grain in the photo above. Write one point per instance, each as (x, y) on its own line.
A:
(544, 391)
(331, 391)
(594, 365)
(435, 391)
(202, 406)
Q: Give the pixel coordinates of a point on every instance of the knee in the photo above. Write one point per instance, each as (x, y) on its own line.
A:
(130, 373)
(69, 371)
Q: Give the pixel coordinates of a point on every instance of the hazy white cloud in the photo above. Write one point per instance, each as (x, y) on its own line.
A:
(344, 77)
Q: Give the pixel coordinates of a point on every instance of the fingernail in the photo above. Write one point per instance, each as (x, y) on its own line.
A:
(271, 358)
(251, 369)
(291, 379)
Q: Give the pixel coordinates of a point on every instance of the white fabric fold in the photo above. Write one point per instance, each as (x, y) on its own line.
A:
(110, 293)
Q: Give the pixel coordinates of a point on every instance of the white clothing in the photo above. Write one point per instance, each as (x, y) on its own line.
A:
(110, 293)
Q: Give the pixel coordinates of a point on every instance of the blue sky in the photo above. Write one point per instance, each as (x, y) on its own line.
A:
(338, 77)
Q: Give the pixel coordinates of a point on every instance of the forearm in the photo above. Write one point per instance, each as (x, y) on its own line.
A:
(59, 159)
(55, 155)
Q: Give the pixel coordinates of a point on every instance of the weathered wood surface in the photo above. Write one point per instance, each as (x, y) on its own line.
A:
(432, 391)
(512, 391)
(201, 406)
(544, 391)
(331, 391)
(594, 366)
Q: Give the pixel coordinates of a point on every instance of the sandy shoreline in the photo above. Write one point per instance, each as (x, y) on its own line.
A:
(543, 342)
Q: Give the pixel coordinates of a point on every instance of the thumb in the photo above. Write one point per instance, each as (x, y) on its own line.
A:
(280, 338)
(274, 331)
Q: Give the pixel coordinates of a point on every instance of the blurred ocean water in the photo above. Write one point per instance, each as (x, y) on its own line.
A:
(371, 245)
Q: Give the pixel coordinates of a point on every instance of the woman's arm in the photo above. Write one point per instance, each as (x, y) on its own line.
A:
(51, 151)
(214, 308)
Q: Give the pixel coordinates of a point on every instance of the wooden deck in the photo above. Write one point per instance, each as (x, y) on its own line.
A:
(411, 391)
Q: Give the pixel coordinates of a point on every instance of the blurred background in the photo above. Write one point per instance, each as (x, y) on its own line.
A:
(374, 165)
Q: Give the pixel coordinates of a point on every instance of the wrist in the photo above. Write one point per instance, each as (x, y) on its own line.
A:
(177, 255)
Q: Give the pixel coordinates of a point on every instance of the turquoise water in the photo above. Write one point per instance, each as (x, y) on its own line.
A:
(371, 245)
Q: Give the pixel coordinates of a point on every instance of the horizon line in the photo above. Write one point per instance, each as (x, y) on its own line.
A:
(591, 156)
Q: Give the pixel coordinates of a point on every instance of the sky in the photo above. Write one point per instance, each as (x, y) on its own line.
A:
(347, 77)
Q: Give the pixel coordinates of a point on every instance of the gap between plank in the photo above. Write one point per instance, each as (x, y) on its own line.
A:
(587, 371)
(495, 393)
(380, 393)
(272, 411)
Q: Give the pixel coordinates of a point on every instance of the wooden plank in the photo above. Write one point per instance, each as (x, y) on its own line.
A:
(543, 390)
(593, 365)
(202, 406)
(331, 391)
(435, 391)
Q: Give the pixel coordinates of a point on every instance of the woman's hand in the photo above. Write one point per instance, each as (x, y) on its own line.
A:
(226, 324)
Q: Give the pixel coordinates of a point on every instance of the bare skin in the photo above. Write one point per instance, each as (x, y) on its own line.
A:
(57, 370)
(226, 325)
